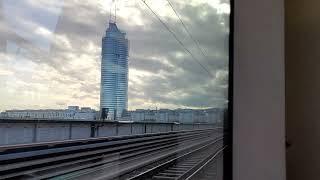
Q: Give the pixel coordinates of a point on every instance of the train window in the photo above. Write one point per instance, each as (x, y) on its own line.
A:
(115, 89)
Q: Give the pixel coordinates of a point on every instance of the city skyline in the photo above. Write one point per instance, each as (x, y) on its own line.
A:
(139, 115)
(59, 63)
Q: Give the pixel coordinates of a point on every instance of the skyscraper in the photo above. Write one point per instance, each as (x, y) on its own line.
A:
(114, 73)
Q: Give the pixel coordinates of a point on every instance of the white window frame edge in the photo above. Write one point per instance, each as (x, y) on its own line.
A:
(259, 90)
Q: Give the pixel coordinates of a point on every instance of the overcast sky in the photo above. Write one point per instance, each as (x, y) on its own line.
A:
(50, 53)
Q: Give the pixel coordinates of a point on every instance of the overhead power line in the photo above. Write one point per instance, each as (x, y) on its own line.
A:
(177, 39)
(186, 29)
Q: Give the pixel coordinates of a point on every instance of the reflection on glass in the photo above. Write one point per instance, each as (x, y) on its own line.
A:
(73, 70)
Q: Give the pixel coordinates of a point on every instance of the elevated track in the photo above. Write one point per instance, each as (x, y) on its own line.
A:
(145, 156)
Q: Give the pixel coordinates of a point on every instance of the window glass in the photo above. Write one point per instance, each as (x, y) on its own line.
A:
(114, 89)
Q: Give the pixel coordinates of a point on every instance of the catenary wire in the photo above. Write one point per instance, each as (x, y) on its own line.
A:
(186, 29)
(177, 39)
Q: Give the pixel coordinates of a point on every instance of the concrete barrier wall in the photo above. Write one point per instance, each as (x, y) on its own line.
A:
(16, 133)
(124, 129)
(51, 132)
(80, 131)
(109, 130)
(23, 132)
(138, 129)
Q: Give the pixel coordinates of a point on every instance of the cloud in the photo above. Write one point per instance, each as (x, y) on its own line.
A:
(161, 73)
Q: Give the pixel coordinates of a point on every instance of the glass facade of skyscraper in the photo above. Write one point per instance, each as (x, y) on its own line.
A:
(114, 73)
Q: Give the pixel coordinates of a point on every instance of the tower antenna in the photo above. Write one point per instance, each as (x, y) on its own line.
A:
(115, 11)
(113, 14)
(110, 15)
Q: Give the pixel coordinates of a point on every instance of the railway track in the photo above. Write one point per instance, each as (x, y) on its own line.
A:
(192, 165)
(212, 168)
(99, 158)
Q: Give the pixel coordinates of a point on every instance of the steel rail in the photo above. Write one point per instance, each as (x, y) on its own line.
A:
(127, 149)
(115, 167)
(130, 165)
(6, 149)
(180, 171)
(82, 146)
(79, 159)
(47, 159)
(205, 164)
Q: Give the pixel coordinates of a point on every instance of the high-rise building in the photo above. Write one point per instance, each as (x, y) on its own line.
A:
(114, 74)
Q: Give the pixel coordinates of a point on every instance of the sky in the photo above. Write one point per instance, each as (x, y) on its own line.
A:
(50, 53)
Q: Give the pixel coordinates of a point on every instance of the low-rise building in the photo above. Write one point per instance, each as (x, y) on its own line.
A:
(73, 112)
(213, 115)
